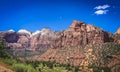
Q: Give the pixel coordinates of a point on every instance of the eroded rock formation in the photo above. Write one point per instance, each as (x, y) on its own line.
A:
(81, 34)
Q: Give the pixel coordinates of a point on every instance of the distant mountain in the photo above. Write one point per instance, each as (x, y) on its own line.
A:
(23, 40)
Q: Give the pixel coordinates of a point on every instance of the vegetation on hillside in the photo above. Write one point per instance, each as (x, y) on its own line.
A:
(47, 66)
(102, 52)
(3, 51)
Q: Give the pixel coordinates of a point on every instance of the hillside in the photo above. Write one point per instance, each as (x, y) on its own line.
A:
(4, 67)
(96, 54)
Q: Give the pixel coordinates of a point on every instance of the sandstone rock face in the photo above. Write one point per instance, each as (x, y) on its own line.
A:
(117, 36)
(24, 39)
(81, 34)
(10, 37)
(118, 31)
(43, 40)
(77, 34)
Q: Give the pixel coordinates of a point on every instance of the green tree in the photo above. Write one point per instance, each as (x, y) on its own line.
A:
(3, 52)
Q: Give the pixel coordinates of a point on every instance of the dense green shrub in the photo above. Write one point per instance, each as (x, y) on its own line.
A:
(20, 67)
(42, 68)
(106, 69)
(10, 61)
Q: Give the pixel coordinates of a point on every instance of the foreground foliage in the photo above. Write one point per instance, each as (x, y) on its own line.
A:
(47, 66)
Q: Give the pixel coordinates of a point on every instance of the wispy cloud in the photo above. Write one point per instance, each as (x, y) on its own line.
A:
(101, 9)
(100, 12)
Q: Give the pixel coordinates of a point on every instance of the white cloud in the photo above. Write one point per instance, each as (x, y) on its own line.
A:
(100, 12)
(102, 7)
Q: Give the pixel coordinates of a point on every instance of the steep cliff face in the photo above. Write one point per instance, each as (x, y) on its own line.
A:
(10, 37)
(117, 36)
(23, 40)
(81, 34)
(118, 31)
(42, 40)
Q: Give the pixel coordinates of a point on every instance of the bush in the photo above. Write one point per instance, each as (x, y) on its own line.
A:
(10, 61)
(3, 52)
(19, 67)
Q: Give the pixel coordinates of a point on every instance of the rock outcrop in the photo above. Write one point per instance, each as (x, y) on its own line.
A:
(118, 31)
(117, 36)
(42, 40)
(80, 33)
(24, 40)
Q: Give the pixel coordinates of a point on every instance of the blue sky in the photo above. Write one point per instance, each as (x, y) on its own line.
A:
(58, 14)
